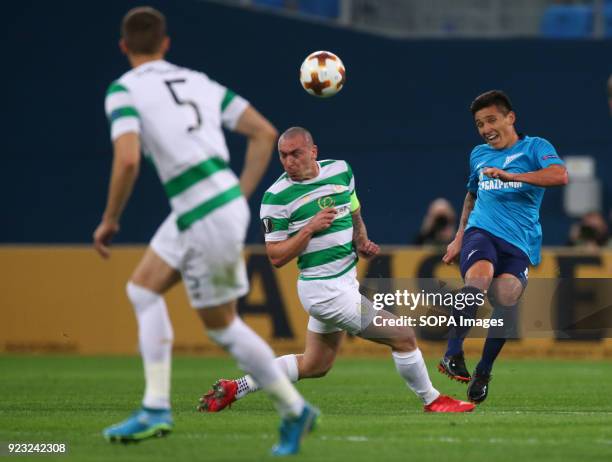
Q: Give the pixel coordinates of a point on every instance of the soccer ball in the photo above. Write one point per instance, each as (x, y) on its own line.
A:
(322, 74)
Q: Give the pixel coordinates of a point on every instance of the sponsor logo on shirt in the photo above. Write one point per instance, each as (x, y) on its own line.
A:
(550, 156)
(342, 211)
(499, 184)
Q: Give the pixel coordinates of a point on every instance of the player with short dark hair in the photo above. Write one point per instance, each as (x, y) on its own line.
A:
(499, 234)
(143, 30)
(490, 98)
(176, 116)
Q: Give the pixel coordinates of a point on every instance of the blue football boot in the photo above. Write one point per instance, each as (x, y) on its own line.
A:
(293, 430)
(142, 424)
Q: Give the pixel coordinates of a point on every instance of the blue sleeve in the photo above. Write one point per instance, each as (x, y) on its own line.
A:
(472, 183)
(545, 154)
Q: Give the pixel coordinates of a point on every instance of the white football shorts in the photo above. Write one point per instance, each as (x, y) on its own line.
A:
(335, 304)
(208, 254)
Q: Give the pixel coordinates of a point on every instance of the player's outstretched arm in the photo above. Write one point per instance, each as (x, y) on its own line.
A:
(126, 165)
(282, 252)
(553, 175)
(261, 136)
(365, 247)
(454, 248)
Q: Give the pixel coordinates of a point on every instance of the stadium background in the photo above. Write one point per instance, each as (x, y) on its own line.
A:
(69, 364)
(402, 121)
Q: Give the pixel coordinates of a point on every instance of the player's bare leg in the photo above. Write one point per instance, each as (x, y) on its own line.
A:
(480, 275)
(318, 358)
(154, 274)
(319, 354)
(410, 364)
(150, 280)
(507, 289)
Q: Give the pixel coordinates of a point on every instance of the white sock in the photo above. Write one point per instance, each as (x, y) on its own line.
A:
(256, 358)
(413, 370)
(288, 365)
(155, 339)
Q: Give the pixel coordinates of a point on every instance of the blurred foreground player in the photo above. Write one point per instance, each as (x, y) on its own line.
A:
(499, 233)
(312, 212)
(175, 116)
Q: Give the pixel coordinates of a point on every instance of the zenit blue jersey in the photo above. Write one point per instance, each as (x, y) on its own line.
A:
(511, 210)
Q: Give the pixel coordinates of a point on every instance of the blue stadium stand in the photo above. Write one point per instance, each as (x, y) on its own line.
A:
(608, 18)
(270, 3)
(322, 8)
(562, 21)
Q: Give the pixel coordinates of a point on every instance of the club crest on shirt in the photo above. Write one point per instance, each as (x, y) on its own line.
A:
(511, 158)
(326, 202)
(267, 224)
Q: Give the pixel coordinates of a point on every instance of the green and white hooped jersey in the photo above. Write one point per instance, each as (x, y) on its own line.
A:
(179, 115)
(288, 205)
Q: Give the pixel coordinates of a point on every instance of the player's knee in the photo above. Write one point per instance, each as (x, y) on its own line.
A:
(218, 317)
(150, 307)
(506, 290)
(140, 297)
(507, 299)
(480, 275)
(506, 295)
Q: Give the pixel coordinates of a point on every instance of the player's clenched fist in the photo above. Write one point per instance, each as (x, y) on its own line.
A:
(498, 173)
(322, 220)
(368, 249)
(102, 237)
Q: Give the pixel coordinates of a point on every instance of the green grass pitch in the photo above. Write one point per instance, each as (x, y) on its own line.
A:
(536, 411)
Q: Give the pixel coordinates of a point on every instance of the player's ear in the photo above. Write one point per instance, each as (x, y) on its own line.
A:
(315, 151)
(165, 45)
(511, 117)
(123, 46)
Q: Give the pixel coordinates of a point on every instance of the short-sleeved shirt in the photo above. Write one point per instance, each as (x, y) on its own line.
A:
(511, 210)
(179, 114)
(287, 206)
